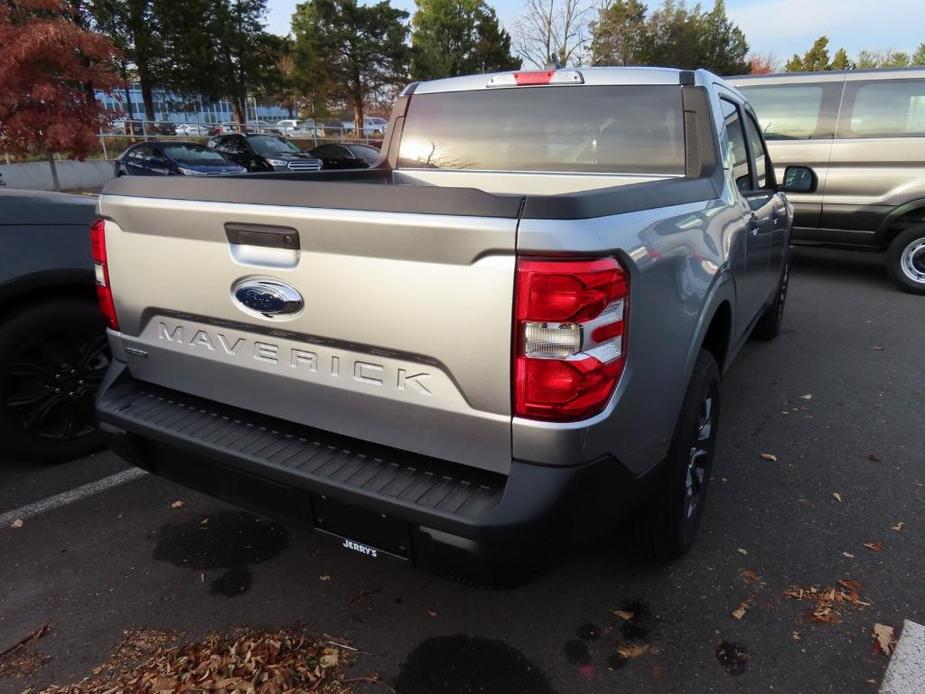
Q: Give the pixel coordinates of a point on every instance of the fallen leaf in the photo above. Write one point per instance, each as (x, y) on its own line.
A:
(784, 412)
(874, 546)
(898, 527)
(878, 348)
(795, 636)
(627, 651)
(18, 523)
(837, 496)
(847, 554)
(178, 504)
(742, 551)
(873, 457)
(825, 615)
(324, 578)
(330, 658)
(851, 584)
(431, 613)
(740, 611)
(808, 396)
(769, 456)
(625, 615)
(750, 575)
(884, 636)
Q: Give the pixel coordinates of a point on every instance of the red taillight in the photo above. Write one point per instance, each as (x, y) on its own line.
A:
(538, 77)
(103, 290)
(570, 336)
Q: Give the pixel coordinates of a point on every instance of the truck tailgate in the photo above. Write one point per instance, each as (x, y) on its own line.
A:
(404, 338)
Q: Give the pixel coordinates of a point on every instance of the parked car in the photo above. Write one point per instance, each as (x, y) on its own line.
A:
(261, 126)
(287, 126)
(265, 153)
(337, 128)
(864, 133)
(223, 128)
(346, 155)
(307, 128)
(374, 126)
(53, 350)
(363, 373)
(187, 129)
(172, 158)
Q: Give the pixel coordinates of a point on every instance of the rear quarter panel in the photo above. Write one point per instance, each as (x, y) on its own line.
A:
(678, 260)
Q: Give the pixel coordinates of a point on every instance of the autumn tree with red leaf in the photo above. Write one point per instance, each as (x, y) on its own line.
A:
(49, 68)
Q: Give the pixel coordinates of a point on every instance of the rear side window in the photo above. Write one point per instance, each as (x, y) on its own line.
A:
(794, 111)
(889, 108)
(735, 137)
(601, 129)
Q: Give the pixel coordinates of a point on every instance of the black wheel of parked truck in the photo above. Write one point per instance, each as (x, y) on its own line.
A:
(905, 259)
(667, 524)
(53, 355)
(768, 326)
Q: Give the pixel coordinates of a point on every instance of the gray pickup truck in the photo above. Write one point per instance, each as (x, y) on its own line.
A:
(505, 336)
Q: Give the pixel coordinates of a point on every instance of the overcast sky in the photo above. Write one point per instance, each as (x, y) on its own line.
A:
(779, 27)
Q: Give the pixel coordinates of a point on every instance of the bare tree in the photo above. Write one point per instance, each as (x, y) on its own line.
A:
(552, 31)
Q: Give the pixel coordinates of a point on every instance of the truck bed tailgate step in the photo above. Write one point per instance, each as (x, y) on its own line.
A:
(312, 454)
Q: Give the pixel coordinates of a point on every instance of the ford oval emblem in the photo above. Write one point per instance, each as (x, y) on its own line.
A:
(267, 298)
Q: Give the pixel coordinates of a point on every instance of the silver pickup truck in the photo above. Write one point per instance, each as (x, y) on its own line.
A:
(505, 336)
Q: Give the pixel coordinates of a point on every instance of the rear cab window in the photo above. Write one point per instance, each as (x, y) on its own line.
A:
(620, 129)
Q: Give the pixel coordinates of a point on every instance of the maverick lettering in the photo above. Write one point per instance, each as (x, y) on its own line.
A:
(301, 359)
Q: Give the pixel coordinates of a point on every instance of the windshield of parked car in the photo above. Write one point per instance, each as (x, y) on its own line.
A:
(601, 129)
(193, 154)
(267, 145)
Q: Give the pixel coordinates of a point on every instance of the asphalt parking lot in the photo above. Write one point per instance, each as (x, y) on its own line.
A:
(837, 400)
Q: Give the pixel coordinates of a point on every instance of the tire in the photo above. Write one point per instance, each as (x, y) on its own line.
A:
(667, 524)
(768, 326)
(906, 260)
(53, 355)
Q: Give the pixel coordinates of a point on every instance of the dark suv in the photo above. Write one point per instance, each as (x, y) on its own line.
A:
(260, 152)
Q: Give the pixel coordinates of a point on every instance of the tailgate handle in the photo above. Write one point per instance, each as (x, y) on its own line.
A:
(265, 235)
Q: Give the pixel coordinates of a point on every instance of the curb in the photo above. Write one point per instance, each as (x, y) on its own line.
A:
(906, 671)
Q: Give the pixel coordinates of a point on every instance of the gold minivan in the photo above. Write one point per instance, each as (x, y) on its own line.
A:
(863, 132)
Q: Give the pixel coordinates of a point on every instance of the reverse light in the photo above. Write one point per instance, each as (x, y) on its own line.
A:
(101, 269)
(569, 335)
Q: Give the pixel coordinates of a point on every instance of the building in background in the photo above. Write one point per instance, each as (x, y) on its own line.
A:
(177, 108)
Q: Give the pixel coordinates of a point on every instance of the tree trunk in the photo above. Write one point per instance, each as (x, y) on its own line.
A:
(54, 172)
(239, 110)
(358, 117)
(147, 95)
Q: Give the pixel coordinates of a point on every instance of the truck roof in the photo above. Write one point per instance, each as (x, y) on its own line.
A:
(591, 76)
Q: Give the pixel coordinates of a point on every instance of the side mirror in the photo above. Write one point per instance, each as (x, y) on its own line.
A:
(799, 179)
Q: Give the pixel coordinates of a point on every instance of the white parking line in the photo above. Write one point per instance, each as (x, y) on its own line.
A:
(906, 672)
(70, 496)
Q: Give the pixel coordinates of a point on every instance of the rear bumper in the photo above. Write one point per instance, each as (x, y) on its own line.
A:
(455, 520)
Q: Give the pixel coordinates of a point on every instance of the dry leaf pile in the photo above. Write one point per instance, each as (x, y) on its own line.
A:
(828, 600)
(251, 662)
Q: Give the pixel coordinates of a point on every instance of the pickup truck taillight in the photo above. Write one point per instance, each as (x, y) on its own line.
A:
(570, 335)
(103, 290)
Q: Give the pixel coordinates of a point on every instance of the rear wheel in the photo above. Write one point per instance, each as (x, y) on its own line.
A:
(667, 524)
(53, 355)
(906, 260)
(768, 326)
